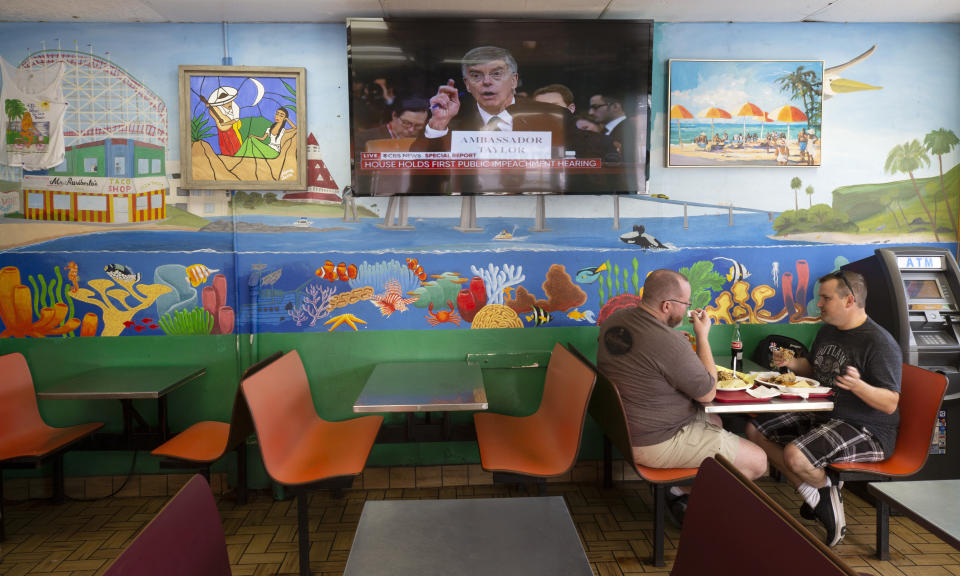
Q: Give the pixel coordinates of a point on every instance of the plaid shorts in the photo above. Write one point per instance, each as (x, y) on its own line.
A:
(822, 440)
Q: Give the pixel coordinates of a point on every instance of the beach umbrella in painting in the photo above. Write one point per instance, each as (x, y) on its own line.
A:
(678, 113)
(712, 113)
(752, 110)
(790, 115)
(763, 122)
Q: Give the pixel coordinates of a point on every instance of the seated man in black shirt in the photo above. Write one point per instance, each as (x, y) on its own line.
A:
(860, 359)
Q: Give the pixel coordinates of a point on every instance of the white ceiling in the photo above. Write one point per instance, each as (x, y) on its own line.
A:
(340, 10)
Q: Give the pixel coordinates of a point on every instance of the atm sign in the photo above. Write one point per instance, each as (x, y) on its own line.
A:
(920, 262)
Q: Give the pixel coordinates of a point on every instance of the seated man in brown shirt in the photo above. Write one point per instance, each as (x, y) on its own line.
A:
(664, 384)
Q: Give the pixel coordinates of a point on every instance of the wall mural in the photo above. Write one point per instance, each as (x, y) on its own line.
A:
(108, 244)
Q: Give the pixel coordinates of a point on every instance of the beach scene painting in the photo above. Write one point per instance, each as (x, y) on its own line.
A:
(745, 113)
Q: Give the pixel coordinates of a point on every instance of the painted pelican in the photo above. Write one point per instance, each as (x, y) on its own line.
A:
(833, 84)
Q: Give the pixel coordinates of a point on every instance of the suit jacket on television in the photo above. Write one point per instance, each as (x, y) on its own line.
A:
(528, 115)
(628, 143)
(376, 133)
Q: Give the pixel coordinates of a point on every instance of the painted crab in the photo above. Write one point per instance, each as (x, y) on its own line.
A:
(441, 316)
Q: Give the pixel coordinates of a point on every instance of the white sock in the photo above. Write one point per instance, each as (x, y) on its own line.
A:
(810, 494)
(829, 483)
(676, 491)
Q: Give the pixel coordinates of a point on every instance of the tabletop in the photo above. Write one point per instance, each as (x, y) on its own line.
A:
(772, 405)
(476, 536)
(123, 382)
(934, 504)
(423, 386)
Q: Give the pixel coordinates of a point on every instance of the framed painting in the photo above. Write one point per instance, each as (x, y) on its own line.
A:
(738, 113)
(243, 128)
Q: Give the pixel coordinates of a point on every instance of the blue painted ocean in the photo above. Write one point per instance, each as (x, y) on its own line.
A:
(428, 235)
(690, 130)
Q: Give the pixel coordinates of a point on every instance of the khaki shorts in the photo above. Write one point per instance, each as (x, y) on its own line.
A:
(690, 446)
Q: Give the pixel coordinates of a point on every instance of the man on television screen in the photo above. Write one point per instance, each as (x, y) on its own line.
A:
(607, 109)
(491, 76)
(407, 120)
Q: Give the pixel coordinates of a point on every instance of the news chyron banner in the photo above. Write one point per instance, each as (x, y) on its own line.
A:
(483, 150)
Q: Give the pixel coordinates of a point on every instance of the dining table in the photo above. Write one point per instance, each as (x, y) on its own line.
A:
(740, 402)
(126, 384)
(423, 386)
(528, 536)
(934, 504)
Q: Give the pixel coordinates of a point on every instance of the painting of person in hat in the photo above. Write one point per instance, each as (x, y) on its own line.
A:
(226, 114)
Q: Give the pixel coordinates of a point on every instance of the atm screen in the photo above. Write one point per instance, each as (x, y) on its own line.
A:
(920, 289)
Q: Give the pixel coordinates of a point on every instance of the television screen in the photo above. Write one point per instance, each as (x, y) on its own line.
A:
(456, 107)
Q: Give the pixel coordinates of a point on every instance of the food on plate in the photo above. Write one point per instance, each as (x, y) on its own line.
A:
(724, 373)
(731, 384)
(790, 379)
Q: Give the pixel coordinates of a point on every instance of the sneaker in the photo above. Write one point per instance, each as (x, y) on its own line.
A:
(808, 513)
(830, 512)
(677, 508)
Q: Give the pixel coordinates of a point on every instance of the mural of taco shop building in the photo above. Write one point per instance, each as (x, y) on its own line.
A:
(115, 180)
(94, 199)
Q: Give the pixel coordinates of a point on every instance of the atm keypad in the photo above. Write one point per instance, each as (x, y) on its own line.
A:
(932, 339)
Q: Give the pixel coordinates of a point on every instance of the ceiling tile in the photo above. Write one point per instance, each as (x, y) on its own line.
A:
(872, 11)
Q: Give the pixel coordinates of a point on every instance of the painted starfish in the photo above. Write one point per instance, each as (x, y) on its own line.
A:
(348, 319)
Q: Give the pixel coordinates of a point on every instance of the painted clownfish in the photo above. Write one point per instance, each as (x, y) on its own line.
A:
(341, 271)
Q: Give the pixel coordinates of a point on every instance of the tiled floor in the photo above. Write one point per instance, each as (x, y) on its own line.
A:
(80, 538)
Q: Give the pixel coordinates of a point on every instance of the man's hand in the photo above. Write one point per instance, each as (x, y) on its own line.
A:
(879, 398)
(782, 357)
(444, 106)
(849, 379)
(701, 323)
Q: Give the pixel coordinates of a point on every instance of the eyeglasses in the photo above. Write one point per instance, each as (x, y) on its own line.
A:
(598, 106)
(839, 275)
(410, 125)
(496, 75)
(685, 303)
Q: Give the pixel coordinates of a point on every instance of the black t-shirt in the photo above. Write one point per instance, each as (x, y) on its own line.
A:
(871, 350)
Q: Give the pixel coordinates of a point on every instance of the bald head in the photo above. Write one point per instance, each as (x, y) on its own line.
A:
(662, 285)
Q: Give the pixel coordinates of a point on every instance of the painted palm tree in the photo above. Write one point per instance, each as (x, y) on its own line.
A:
(906, 158)
(804, 85)
(942, 142)
(887, 200)
(809, 191)
(14, 109)
(795, 183)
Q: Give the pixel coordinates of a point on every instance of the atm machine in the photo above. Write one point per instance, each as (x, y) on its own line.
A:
(913, 292)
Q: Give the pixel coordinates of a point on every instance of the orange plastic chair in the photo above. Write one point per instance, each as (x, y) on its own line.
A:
(544, 444)
(25, 439)
(733, 527)
(299, 447)
(184, 538)
(921, 393)
(606, 408)
(203, 443)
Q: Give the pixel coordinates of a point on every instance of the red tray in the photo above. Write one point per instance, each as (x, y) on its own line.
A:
(738, 396)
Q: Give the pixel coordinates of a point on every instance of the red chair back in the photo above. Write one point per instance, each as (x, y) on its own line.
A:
(733, 527)
(185, 538)
(19, 415)
(921, 393)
